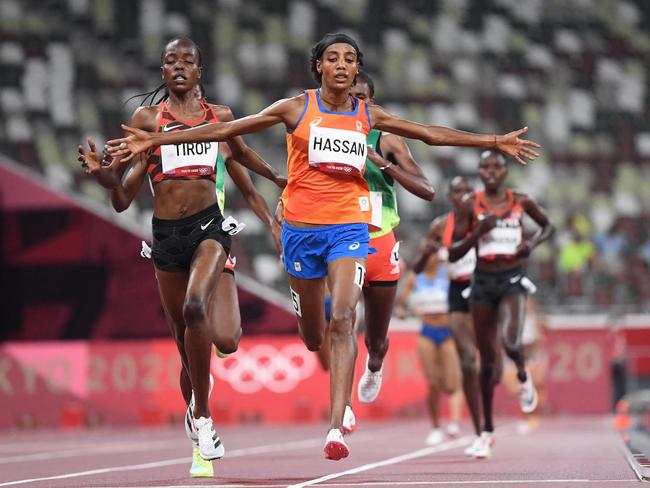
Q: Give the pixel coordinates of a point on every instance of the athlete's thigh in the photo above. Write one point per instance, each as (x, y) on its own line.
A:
(463, 330)
(484, 318)
(224, 306)
(308, 299)
(345, 279)
(449, 364)
(428, 355)
(511, 315)
(205, 270)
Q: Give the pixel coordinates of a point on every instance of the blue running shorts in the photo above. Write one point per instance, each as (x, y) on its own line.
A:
(307, 250)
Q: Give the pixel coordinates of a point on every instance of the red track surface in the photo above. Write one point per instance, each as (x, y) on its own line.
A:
(571, 452)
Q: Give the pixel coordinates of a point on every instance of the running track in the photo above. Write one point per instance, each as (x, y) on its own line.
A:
(567, 452)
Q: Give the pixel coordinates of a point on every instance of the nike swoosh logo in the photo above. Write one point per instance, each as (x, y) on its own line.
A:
(167, 128)
(514, 279)
(205, 226)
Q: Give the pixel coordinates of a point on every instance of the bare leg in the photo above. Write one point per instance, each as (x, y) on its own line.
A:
(463, 332)
(485, 325)
(378, 301)
(428, 354)
(205, 271)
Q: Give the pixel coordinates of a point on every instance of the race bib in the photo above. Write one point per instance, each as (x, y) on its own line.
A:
(464, 267)
(376, 205)
(189, 159)
(503, 240)
(337, 151)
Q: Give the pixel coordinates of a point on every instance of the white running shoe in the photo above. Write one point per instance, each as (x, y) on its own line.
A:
(453, 429)
(436, 436)
(200, 467)
(527, 395)
(369, 384)
(210, 446)
(473, 447)
(190, 430)
(349, 421)
(335, 447)
(484, 448)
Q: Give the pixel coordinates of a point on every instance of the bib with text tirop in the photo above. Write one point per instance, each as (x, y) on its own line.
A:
(189, 159)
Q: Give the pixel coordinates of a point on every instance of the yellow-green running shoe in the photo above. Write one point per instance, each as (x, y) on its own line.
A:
(200, 467)
(220, 354)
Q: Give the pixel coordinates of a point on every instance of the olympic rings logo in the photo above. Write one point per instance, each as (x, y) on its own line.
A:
(264, 366)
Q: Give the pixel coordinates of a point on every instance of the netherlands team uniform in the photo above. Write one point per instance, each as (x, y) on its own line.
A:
(326, 162)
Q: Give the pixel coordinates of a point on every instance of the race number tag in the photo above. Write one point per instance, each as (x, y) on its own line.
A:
(231, 227)
(359, 274)
(337, 151)
(295, 300)
(189, 159)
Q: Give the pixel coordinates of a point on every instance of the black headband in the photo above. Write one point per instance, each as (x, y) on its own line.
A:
(330, 39)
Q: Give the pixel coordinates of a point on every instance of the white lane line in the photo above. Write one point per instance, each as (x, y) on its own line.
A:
(387, 462)
(90, 450)
(315, 441)
(446, 483)
(391, 483)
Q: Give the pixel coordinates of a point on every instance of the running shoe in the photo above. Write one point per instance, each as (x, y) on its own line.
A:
(436, 436)
(335, 447)
(200, 467)
(369, 384)
(190, 430)
(484, 448)
(473, 447)
(220, 354)
(453, 429)
(349, 421)
(210, 446)
(527, 395)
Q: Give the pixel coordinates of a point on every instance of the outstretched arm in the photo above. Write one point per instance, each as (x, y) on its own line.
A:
(406, 171)
(509, 144)
(244, 155)
(285, 111)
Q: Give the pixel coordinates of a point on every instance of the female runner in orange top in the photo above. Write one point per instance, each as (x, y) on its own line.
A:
(326, 200)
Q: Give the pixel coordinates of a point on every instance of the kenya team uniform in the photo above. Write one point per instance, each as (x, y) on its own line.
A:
(382, 267)
(460, 272)
(501, 242)
(326, 162)
(175, 241)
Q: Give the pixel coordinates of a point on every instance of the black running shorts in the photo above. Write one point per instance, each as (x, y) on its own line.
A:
(457, 302)
(175, 241)
(490, 287)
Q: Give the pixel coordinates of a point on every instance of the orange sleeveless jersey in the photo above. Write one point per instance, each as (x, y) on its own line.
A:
(316, 197)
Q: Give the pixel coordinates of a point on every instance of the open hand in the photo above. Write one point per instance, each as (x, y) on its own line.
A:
(126, 147)
(511, 145)
(91, 161)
